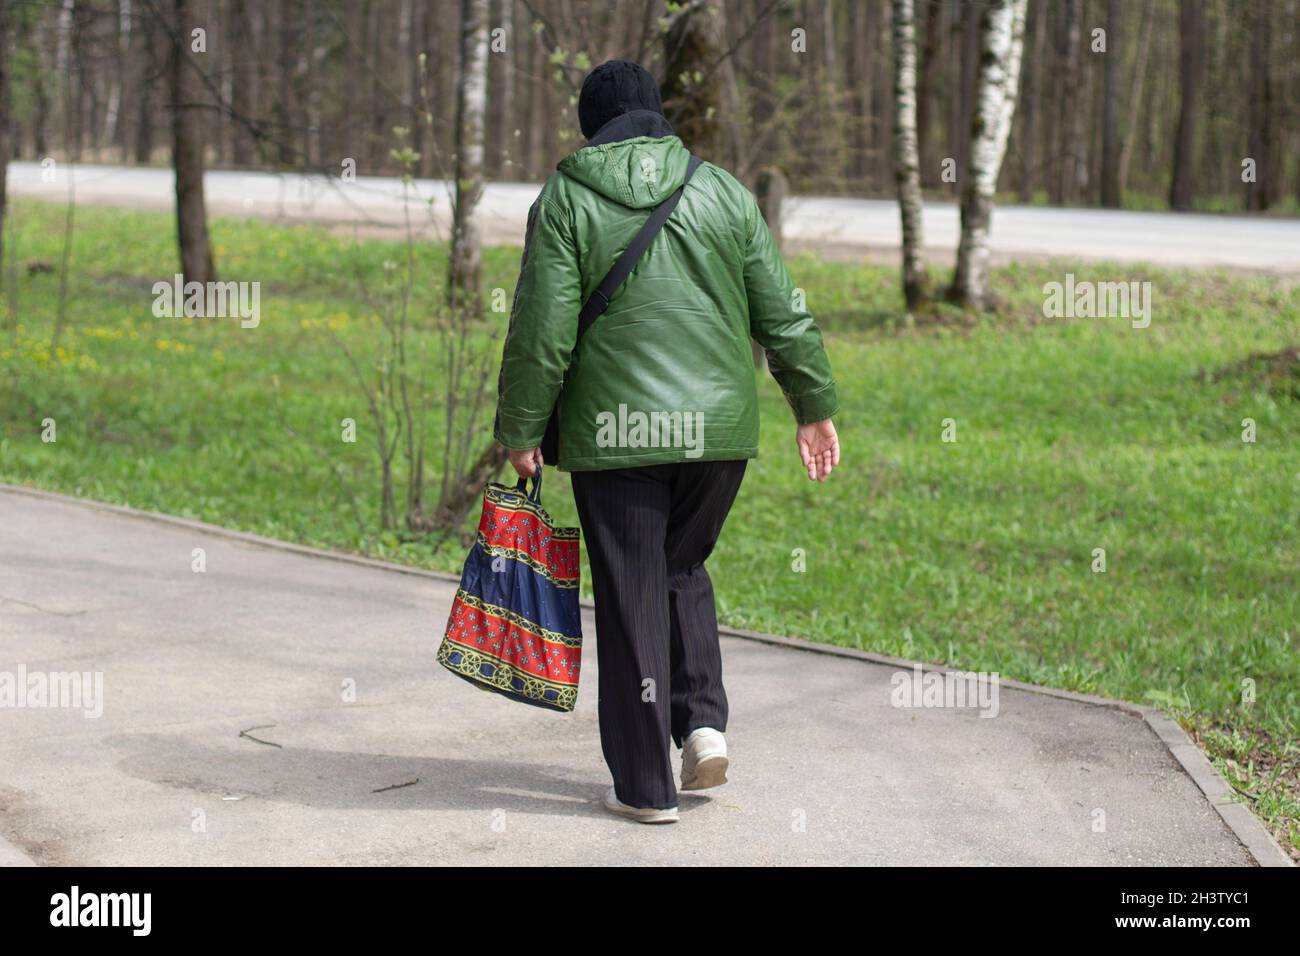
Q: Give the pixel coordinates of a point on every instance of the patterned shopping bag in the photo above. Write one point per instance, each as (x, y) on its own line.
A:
(515, 626)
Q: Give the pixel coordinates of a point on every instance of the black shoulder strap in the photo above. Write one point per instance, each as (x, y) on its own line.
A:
(626, 262)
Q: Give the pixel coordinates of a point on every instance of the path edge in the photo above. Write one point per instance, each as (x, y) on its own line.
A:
(1244, 825)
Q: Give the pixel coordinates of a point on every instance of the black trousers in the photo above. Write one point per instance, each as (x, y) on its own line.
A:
(648, 532)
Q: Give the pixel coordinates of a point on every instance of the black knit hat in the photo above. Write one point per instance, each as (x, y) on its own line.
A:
(613, 88)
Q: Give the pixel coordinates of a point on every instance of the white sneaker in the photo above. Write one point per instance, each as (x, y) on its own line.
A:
(640, 814)
(704, 760)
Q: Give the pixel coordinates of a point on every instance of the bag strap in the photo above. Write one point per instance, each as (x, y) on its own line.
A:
(623, 266)
(534, 495)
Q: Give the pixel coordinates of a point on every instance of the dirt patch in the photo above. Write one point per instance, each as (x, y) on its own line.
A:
(1279, 372)
(23, 825)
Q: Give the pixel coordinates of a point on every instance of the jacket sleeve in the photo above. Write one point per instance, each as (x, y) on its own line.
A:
(783, 326)
(543, 328)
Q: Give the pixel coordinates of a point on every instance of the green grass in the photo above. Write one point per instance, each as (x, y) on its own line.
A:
(1072, 435)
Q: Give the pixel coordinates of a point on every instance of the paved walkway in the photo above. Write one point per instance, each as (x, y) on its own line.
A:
(825, 770)
(833, 226)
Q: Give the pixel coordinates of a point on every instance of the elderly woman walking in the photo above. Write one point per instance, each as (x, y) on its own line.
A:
(645, 275)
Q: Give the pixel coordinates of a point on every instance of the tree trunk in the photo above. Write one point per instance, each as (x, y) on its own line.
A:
(40, 101)
(700, 109)
(529, 148)
(930, 68)
(1135, 98)
(1032, 95)
(309, 96)
(5, 114)
(505, 162)
(825, 154)
(471, 107)
(122, 44)
(1002, 37)
(1064, 148)
(243, 79)
(1110, 130)
(1191, 55)
(147, 56)
(883, 109)
(857, 76)
(963, 104)
(1259, 110)
(187, 151)
(907, 172)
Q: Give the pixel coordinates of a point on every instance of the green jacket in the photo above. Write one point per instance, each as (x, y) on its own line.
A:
(666, 374)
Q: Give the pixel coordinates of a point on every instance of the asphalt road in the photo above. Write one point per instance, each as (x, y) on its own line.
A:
(851, 227)
(422, 768)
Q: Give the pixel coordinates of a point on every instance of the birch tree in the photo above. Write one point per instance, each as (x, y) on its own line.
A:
(1002, 38)
(907, 164)
(471, 105)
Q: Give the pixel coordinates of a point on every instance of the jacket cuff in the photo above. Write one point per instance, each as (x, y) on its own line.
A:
(518, 434)
(815, 406)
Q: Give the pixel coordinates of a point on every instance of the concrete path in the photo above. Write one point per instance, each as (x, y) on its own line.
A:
(825, 770)
(853, 227)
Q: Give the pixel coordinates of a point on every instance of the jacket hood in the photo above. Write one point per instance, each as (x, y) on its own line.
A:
(637, 172)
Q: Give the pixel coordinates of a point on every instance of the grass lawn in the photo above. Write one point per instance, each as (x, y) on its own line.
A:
(1072, 435)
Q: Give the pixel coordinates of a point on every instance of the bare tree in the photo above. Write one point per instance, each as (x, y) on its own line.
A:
(471, 105)
(907, 170)
(1002, 40)
(1191, 57)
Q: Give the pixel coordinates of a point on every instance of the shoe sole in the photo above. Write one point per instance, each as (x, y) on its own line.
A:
(644, 816)
(709, 772)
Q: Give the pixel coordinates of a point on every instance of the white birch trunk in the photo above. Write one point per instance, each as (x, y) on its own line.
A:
(907, 162)
(1002, 36)
(471, 108)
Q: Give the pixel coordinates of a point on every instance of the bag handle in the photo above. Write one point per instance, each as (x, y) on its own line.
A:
(625, 263)
(535, 496)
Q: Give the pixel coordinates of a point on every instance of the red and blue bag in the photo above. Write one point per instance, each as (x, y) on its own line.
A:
(515, 626)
